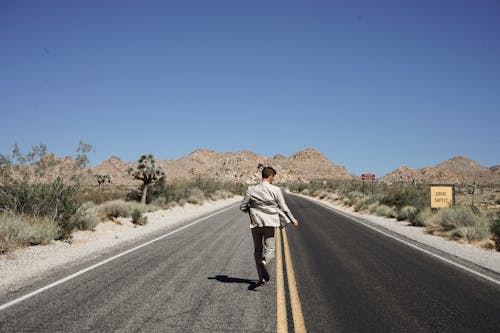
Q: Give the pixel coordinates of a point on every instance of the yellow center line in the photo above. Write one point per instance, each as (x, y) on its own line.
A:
(282, 325)
(298, 317)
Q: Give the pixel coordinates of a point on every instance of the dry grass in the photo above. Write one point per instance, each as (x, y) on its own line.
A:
(19, 231)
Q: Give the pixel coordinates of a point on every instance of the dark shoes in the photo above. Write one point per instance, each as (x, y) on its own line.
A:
(265, 271)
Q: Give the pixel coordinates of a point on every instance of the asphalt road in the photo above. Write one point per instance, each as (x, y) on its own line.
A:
(201, 279)
(354, 279)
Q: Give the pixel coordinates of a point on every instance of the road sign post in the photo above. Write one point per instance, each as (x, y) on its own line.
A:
(365, 177)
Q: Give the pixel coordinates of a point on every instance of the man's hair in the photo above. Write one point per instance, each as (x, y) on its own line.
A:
(268, 172)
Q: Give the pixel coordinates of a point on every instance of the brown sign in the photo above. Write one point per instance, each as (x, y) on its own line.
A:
(368, 176)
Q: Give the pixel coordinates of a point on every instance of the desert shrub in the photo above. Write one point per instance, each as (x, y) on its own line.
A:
(138, 218)
(104, 194)
(85, 217)
(361, 204)
(352, 198)
(55, 201)
(323, 195)
(305, 191)
(195, 196)
(445, 219)
(373, 207)
(346, 201)
(461, 222)
(43, 231)
(121, 208)
(384, 210)
(115, 208)
(180, 190)
(451, 218)
(475, 233)
(405, 213)
(364, 203)
(495, 232)
(423, 218)
(220, 194)
(405, 197)
(17, 231)
(160, 202)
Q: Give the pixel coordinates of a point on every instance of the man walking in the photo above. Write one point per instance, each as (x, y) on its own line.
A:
(266, 206)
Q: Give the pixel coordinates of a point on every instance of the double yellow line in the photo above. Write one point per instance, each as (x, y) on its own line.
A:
(298, 317)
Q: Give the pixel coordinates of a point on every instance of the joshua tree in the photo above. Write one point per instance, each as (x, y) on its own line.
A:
(103, 179)
(147, 172)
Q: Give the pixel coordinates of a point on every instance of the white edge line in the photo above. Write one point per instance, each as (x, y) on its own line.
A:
(484, 276)
(85, 270)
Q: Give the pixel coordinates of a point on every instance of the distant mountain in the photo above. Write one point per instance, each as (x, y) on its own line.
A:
(243, 166)
(457, 170)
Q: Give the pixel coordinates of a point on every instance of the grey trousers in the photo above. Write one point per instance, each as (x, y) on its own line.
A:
(263, 240)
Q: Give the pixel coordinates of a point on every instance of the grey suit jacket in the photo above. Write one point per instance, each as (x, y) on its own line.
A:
(266, 205)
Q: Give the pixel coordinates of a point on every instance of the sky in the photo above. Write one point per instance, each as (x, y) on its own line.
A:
(373, 85)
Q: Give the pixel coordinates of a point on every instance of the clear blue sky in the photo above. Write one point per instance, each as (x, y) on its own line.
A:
(374, 85)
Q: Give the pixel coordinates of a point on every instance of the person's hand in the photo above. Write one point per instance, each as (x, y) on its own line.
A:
(295, 223)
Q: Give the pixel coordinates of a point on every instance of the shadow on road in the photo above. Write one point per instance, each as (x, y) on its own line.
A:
(252, 284)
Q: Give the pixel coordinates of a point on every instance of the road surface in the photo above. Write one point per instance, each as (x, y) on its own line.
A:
(349, 278)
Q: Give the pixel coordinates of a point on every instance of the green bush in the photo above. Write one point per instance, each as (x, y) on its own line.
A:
(55, 201)
(138, 218)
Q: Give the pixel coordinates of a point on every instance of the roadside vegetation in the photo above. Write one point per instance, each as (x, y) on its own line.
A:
(38, 206)
(464, 222)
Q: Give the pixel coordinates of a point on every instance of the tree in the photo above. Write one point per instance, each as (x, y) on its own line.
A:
(82, 159)
(147, 172)
(103, 179)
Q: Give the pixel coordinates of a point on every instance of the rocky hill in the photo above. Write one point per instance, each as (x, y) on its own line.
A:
(243, 166)
(457, 170)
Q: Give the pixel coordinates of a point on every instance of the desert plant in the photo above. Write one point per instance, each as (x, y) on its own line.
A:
(82, 160)
(56, 201)
(138, 218)
(495, 231)
(373, 207)
(103, 179)
(423, 218)
(405, 213)
(115, 208)
(148, 173)
(384, 210)
(195, 196)
(220, 194)
(451, 218)
(85, 217)
(17, 231)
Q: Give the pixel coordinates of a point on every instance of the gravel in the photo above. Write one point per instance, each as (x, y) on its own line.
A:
(19, 267)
